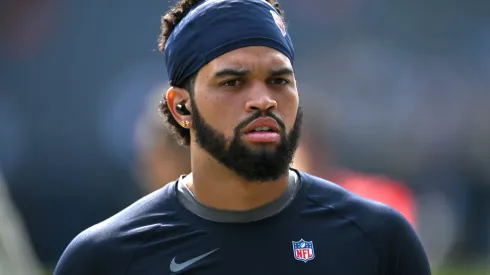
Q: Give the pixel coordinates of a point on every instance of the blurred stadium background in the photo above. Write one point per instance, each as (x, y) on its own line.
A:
(396, 95)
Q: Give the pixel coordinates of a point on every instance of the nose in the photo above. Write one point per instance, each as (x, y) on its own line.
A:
(260, 101)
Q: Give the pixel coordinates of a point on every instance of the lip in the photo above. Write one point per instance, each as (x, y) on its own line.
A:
(263, 122)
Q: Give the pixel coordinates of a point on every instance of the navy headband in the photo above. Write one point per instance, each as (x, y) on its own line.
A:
(215, 27)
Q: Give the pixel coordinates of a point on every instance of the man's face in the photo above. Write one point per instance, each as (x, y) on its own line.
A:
(245, 112)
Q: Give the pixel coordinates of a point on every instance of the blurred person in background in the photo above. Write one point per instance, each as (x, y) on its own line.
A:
(17, 257)
(159, 158)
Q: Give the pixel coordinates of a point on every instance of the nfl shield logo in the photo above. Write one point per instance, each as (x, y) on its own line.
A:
(279, 22)
(303, 250)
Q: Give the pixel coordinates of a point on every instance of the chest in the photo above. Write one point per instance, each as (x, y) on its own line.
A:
(289, 248)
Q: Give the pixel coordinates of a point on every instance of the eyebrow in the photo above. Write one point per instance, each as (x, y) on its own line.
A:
(231, 72)
(244, 72)
(281, 71)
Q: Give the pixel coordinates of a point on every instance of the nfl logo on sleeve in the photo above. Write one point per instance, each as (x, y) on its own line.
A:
(303, 250)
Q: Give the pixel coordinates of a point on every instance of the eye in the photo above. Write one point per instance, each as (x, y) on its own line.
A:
(231, 83)
(279, 81)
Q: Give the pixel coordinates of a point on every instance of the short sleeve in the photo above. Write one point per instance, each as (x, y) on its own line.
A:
(405, 252)
(89, 253)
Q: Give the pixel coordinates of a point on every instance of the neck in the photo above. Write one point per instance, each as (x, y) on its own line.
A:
(216, 186)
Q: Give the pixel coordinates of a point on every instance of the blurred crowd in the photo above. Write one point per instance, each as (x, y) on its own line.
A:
(395, 95)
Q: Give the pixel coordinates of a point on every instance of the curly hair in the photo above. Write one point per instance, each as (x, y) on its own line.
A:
(168, 23)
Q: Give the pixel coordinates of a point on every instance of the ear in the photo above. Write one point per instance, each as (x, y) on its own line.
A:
(176, 96)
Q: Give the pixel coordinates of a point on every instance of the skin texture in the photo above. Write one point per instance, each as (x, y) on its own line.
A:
(225, 103)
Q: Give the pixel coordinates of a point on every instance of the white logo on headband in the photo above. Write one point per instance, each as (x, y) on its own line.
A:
(279, 22)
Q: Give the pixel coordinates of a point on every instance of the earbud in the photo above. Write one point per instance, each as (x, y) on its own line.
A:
(181, 109)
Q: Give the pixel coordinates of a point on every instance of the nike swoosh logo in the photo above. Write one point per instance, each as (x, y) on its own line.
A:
(175, 267)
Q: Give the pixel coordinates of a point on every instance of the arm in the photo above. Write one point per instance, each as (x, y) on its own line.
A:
(91, 253)
(80, 257)
(406, 255)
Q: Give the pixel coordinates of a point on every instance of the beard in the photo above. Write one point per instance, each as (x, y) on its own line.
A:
(252, 164)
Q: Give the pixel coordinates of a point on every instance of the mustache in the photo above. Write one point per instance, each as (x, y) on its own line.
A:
(259, 114)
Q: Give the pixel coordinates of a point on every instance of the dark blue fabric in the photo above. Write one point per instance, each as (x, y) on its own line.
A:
(216, 27)
(346, 235)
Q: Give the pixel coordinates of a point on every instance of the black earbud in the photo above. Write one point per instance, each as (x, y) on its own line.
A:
(182, 109)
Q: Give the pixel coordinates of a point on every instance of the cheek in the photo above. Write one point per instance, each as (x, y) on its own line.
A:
(288, 108)
(220, 112)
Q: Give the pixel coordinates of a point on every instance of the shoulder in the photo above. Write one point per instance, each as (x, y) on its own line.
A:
(375, 219)
(380, 188)
(396, 241)
(345, 202)
(110, 244)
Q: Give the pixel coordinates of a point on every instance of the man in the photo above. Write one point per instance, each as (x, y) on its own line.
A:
(16, 254)
(242, 210)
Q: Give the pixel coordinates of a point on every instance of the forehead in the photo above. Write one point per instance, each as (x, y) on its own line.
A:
(252, 58)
